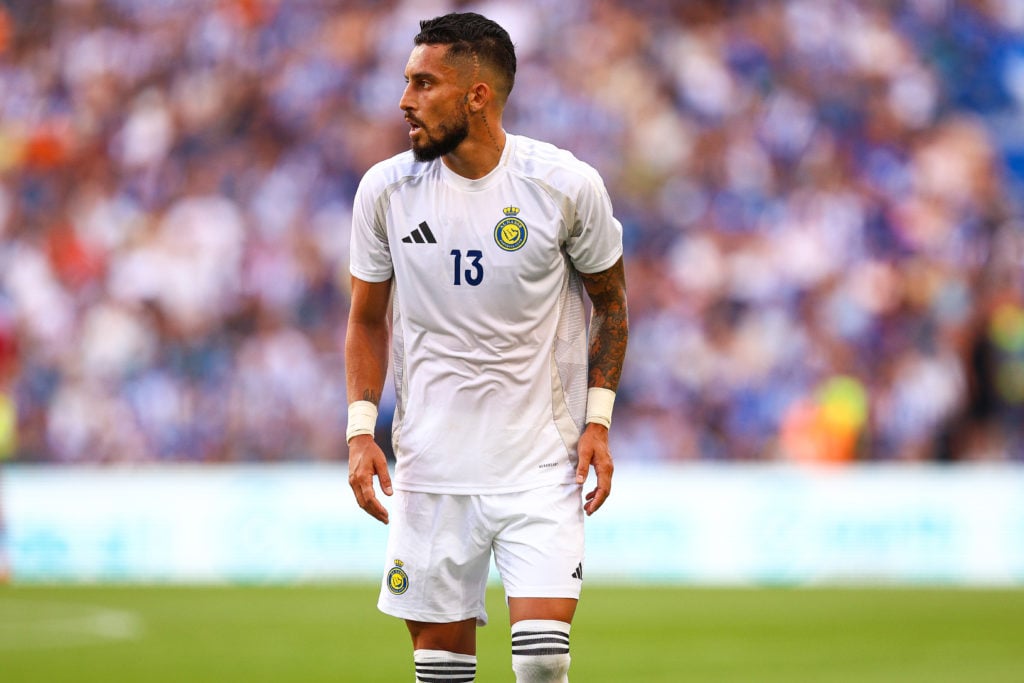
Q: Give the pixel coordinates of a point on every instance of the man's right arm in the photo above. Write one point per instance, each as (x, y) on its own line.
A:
(366, 364)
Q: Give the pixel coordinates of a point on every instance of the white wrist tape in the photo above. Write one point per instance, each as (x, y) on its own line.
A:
(362, 419)
(599, 405)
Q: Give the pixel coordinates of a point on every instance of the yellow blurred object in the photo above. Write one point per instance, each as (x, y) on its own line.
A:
(8, 427)
(12, 148)
(1006, 327)
(826, 429)
(844, 404)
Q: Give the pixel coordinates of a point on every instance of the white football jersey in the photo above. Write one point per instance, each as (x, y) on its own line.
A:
(489, 340)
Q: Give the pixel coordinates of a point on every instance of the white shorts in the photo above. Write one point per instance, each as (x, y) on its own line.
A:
(440, 545)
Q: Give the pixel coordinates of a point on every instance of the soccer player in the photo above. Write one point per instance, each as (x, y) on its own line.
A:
(481, 243)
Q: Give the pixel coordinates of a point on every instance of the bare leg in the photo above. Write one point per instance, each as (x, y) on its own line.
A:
(555, 609)
(457, 636)
(540, 638)
(444, 652)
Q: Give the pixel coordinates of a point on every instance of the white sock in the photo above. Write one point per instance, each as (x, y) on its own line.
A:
(540, 651)
(441, 666)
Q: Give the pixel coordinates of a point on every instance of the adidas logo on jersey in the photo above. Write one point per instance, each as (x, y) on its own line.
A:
(420, 235)
(578, 574)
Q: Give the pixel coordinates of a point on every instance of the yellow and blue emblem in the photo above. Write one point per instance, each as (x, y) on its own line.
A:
(398, 580)
(510, 232)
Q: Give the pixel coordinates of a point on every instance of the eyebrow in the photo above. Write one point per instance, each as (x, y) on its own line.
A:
(422, 75)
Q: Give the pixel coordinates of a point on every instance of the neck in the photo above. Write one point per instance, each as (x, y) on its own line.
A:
(480, 152)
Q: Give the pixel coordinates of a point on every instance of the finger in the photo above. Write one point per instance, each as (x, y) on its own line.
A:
(357, 490)
(378, 511)
(362, 488)
(385, 478)
(374, 508)
(595, 499)
(583, 467)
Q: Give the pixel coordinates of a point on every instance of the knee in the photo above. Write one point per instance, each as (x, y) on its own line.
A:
(541, 668)
(540, 651)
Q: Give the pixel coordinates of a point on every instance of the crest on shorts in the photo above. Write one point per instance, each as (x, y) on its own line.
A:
(398, 580)
(510, 233)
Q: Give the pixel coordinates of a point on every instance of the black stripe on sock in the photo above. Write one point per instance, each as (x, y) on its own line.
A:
(423, 666)
(537, 641)
(445, 672)
(523, 638)
(541, 651)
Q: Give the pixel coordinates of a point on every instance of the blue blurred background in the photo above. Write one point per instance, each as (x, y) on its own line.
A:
(823, 204)
(821, 200)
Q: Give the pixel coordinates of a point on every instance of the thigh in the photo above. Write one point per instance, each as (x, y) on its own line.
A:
(438, 554)
(458, 636)
(554, 609)
(539, 547)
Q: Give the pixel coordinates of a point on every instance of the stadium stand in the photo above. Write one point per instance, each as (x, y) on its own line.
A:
(822, 203)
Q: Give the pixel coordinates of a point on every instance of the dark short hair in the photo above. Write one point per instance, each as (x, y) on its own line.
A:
(471, 34)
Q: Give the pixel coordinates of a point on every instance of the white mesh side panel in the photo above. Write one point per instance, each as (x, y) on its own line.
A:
(397, 367)
(570, 350)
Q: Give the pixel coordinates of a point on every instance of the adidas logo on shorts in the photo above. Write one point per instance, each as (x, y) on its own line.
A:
(578, 574)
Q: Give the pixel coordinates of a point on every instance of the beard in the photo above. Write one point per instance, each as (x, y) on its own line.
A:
(451, 133)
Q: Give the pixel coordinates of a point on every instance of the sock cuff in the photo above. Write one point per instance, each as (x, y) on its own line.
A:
(441, 666)
(540, 638)
(442, 656)
(539, 625)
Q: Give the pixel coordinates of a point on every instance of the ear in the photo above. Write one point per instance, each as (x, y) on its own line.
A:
(478, 97)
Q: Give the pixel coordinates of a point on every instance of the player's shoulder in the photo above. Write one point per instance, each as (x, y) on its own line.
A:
(552, 164)
(392, 172)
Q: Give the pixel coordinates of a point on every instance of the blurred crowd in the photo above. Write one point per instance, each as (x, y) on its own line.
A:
(822, 202)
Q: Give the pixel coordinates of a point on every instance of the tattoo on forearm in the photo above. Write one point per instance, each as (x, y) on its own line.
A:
(609, 326)
(371, 396)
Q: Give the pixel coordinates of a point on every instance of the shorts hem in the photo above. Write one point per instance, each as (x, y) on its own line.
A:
(545, 592)
(433, 617)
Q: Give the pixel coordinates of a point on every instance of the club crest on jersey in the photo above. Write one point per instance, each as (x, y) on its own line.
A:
(510, 232)
(398, 580)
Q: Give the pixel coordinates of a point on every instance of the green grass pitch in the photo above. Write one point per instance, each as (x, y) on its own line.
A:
(313, 633)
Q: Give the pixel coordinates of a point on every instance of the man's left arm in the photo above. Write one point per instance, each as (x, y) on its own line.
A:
(609, 331)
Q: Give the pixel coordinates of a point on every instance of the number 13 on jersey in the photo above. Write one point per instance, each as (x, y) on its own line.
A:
(473, 273)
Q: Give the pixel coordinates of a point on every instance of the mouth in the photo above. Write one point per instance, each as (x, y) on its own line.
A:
(414, 127)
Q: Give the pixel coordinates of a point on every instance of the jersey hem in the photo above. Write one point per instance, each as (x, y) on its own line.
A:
(473, 490)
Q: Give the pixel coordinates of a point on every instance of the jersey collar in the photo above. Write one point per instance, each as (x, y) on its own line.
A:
(480, 184)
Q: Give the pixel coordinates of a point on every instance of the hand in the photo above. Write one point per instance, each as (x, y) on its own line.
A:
(593, 450)
(366, 460)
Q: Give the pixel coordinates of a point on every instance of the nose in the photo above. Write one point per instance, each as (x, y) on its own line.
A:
(407, 104)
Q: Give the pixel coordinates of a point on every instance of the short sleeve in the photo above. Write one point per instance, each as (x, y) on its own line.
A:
(595, 238)
(369, 251)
